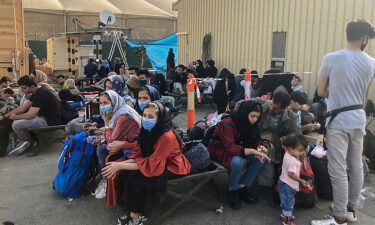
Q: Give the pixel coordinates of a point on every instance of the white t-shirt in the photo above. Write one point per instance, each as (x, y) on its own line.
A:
(350, 73)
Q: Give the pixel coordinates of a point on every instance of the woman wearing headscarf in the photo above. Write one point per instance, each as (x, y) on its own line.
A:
(236, 144)
(42, 80)
(150, 165)
(117, 84)
(170, 60)
(224, 90)
(199, 69)
(145, 95)
(121, 123)
(71, 85)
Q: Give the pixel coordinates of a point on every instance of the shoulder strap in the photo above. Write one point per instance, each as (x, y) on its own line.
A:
(84, 149)
(70, 148)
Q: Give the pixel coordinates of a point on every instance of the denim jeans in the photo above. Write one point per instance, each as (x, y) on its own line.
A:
(251, 171)
(102, 154)
(20, 127)
(287, 200)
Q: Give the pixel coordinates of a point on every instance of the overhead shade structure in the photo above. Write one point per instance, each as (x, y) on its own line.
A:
(42, 5)
(139, 8)
(89, 6)
(157, 51)
(165, 5)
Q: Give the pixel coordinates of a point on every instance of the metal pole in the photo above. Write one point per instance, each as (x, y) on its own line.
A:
(190, 101)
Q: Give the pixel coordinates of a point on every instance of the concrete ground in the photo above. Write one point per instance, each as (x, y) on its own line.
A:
(26, 197)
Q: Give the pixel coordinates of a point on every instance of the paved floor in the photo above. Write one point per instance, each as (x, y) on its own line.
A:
(26, 197)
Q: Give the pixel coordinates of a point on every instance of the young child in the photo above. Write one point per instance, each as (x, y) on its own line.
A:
(9, 96)
(289, 180)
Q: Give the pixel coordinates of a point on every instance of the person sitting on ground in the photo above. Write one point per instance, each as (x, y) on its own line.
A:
(239, 94)
(133, 71)
(211, 70)
(61, 81)
(42, 110)
(117, 84)
(145, 95)
(71, 85)
(133, 86)
(289, 181)
(199, 69)
(319, 109)
(298, 100)
(9, 103)
(224, 90)
(104, 69)
(296, 84)
(236, 144)
(91, 69)
(121, 123)
(144, 77)
(41, 79)
(278, 117)
(179, 78)
(150, 165)
(4, 84)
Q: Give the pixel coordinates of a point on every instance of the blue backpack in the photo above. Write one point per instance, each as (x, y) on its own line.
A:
(74, 165)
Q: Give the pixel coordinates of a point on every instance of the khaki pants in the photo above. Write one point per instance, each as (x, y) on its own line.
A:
(345, 167)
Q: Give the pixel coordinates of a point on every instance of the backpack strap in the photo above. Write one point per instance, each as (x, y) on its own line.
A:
(84, 149)
(335, 112)
(70, 148)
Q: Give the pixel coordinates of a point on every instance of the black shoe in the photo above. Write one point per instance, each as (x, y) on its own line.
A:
(234, 200)
(246, 196)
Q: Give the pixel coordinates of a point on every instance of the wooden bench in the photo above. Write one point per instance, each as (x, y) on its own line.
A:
(200, 180)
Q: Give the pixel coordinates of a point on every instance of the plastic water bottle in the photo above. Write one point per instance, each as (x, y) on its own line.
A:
(13, 142)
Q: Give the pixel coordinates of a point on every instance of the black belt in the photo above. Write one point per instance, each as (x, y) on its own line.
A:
(335, 112)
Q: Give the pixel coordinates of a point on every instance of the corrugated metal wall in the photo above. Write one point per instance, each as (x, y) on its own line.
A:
(242, 31)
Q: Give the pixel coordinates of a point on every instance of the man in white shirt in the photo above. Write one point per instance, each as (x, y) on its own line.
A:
(348, 73)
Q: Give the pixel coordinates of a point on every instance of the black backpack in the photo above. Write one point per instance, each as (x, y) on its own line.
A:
(67, 113)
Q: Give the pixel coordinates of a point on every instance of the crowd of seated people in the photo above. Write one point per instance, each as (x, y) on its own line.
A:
(137, 126)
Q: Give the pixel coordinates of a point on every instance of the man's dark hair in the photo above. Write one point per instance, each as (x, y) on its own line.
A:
(181, 66)
(136, 69)
(282, 98)
(60, 76)
(299, 96)
(145, 72)
(254, 74)
(27, 81)
(91, 60)
(293, 140)
(4, 79)
(242, 71)
(9, 91)
(211, 63)
(357, 29)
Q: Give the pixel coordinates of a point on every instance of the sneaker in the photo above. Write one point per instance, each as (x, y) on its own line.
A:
(282, 218)
(102, 192)
(351, 216)
(246, 196)
(285, 220)
(234, 200)
(20, 148)
(329, 221)
(100, 186)
(131, 221)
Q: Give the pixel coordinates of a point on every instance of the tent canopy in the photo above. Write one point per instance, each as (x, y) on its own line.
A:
(127, 7)
(157, 51)
(165, 5)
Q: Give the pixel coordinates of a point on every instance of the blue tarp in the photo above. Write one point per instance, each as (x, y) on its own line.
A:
(157, 51)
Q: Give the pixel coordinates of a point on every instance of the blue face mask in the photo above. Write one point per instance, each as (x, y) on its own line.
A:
(148, 124)
(105, 109)
(142, 105)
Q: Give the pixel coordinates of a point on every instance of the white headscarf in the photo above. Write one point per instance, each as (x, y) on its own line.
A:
(121, 108)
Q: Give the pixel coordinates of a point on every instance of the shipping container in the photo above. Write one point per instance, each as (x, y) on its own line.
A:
(13, 54)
